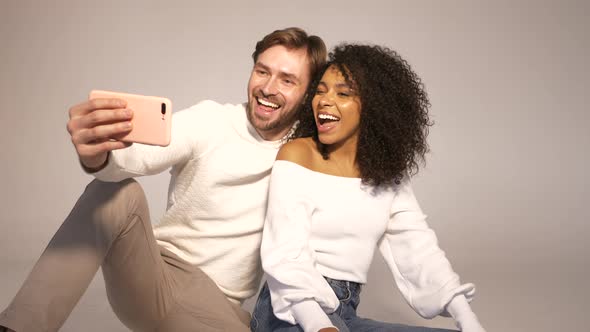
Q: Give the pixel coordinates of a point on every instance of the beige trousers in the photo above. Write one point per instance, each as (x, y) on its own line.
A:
(148, 287)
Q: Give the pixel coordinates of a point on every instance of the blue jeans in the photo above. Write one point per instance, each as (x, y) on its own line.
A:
(344, 318)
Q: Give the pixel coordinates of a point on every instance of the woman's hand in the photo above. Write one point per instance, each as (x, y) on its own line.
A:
(471, 325)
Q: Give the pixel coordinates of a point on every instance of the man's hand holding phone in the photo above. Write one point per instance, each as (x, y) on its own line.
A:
(94, 127)
(113, 120)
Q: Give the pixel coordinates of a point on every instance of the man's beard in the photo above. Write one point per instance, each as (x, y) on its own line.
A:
(284, 120)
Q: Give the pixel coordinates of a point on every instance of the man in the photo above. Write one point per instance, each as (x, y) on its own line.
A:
(196, 267)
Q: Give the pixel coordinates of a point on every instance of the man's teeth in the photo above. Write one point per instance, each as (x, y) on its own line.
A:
(327, 117)
(267, 103)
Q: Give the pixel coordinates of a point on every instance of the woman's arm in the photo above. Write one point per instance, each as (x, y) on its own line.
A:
(420, 268)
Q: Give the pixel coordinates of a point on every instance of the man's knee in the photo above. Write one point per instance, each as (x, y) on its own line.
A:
(110, 192)
(127, 185)
(111, 203)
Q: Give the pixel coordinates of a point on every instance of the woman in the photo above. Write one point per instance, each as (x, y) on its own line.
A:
(342, 188)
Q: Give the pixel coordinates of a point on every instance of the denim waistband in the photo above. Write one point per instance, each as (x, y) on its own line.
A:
(342, 283)
(351, 287)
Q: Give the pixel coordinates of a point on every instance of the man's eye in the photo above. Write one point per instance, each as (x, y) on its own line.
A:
(261, 72)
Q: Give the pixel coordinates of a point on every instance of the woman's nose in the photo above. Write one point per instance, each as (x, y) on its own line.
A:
(326, 100)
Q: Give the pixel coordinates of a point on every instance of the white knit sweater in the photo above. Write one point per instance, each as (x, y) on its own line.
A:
(217, 197)
(320, 225)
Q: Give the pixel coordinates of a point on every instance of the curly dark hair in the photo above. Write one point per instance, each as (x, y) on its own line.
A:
(394, 115)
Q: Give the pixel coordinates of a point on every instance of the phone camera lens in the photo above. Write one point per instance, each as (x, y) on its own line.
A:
(163, 108)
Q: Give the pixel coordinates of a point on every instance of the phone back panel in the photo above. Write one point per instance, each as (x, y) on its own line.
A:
(151, 117)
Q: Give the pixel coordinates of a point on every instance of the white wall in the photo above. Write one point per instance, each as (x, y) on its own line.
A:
(505, 186)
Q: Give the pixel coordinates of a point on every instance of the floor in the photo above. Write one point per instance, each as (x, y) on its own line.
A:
(538, 299)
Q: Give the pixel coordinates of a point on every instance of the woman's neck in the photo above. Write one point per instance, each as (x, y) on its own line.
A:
(343, 158)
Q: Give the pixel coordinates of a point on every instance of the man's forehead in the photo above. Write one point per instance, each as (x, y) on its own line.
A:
(289, 61)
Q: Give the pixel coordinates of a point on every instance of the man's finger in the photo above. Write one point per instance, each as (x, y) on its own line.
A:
(112, 145)
(97, 117)
(104, 116)
(89, 135)
(94, 104)
(103, 146)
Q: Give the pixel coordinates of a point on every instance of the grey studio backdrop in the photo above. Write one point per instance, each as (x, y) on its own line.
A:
(506, 186)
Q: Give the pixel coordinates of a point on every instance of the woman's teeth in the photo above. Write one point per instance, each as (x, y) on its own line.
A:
(327, 118)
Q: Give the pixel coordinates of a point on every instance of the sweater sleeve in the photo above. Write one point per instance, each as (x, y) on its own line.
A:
(420, 268)
(142, 159)
(299, 293)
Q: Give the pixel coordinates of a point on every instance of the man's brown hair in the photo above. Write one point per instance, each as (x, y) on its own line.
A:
(295, 38)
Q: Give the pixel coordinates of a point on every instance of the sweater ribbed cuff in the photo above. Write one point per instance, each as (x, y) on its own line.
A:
(310, 316)
(461, 311)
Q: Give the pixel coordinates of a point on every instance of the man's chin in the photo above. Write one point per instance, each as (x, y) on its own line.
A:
(262, 119)
(263, 124)
(268, 123)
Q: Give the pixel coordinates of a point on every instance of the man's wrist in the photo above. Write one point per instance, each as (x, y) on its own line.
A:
(91, 170)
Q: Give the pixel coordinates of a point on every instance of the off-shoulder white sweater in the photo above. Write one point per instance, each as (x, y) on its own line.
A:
(319, 225)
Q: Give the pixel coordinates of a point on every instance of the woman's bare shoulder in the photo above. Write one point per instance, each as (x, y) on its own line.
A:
(301, 151)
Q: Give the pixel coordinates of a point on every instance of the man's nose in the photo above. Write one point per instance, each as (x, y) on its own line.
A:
(270, 87)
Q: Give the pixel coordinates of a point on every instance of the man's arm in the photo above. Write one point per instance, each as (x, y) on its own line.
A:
(94, 131)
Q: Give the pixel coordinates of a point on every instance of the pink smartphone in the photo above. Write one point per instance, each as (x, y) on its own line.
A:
(151, 117)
